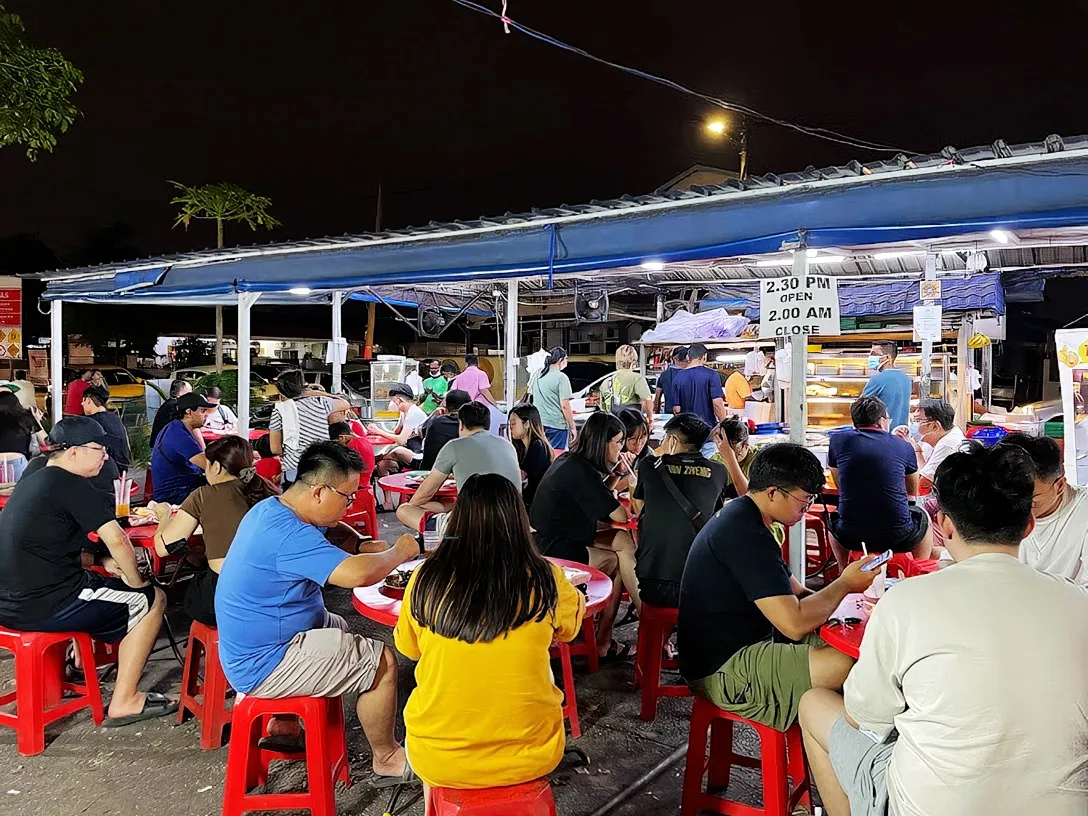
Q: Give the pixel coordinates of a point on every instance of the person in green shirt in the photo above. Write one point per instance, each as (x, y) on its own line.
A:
(551, 396)
(434, 388)
(735, 452)
(628, 388)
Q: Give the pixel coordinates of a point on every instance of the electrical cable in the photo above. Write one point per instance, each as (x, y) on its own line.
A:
(815, 132)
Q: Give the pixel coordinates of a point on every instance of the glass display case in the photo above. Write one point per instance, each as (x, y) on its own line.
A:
(834, 381)
(384, 374)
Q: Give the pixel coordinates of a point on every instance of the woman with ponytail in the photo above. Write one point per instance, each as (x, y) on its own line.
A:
(551, 396)
(218, 507)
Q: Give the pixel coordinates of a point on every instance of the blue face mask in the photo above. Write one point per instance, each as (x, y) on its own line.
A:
(915, 430)
(874, 362)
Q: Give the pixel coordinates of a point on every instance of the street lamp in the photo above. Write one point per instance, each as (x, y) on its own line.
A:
(719, 128)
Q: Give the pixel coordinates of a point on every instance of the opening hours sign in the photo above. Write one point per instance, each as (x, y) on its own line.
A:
(799, 304)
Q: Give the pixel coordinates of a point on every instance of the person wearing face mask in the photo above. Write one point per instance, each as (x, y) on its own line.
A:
(875, 472)
(1059, 543)
(890, 385)
(666, 527)
(735, 452)
(933, 435)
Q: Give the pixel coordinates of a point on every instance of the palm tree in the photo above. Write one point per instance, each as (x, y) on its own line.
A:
(220, 203)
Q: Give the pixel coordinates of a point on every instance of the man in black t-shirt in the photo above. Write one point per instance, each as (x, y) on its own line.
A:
(95, 400)
(442, 428)
(737, 598)
(666, 529)
(43, 586)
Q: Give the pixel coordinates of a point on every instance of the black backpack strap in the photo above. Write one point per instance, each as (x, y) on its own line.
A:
(690, 510)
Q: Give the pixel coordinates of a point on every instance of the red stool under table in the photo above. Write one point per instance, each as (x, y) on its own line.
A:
(561, 651)
(205, 699)
(655, 624)
(326, 755)
(782, 759)
(586, 646)
(531, 799)
(40, 684)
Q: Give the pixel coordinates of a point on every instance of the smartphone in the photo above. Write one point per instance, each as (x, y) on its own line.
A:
(878, 562)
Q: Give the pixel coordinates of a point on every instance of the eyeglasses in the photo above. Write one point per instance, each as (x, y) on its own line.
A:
(347, 497)
(806, 503)
(96, 449)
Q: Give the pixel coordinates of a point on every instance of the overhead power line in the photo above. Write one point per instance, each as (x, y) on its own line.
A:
(815, 132)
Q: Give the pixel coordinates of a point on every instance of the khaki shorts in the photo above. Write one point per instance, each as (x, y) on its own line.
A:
(325, 662)
(762, 682)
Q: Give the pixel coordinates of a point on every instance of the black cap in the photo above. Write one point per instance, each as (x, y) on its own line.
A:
(402, 390)
(76, 430)
(190, 402)
(99, 391)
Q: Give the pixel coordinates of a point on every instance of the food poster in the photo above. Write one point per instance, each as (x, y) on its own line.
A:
(1072, 347)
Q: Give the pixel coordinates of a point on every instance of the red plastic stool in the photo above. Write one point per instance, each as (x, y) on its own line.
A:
(900, 565)
(531, 799)
(561, 651)
(775, 747)
(326, 755)
(205, 699)
(823, 553)
(40, 684)
(655, 624)
(587, 646)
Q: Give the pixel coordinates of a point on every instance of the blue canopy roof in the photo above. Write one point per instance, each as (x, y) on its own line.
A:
(880, 298)
(1037, 186)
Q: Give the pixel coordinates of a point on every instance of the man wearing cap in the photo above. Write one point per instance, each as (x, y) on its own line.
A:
(177, 460)
(404, 435)
(43, 586)
(95, 402)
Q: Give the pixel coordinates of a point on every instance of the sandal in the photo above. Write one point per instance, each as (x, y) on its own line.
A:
(284, 743)
(616, 653)
(155, 705)
(407, 778)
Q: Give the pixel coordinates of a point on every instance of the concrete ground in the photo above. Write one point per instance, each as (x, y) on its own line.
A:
(158, 768)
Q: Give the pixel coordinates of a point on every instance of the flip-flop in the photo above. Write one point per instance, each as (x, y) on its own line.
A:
(407, 778)
(284, 743)
(615, 654)
(155, 705)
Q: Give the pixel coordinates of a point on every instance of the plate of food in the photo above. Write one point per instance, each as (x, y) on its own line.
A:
(397, 581)
(417, 474)
(141, 516)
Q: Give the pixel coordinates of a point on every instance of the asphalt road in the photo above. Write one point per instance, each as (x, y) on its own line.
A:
(158, 768)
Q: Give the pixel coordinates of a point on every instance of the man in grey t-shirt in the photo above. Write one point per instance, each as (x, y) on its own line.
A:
(474, 451)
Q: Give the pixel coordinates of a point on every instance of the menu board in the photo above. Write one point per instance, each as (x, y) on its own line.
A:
(11, 318)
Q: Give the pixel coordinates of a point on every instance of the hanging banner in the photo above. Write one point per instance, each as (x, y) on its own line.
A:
(11, 318)
(806, 304)
(1072, 346)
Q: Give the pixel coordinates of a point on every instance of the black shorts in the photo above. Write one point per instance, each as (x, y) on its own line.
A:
(898, 541)
(107, 609)
(199, 600)
(563, 548)
(662, 594)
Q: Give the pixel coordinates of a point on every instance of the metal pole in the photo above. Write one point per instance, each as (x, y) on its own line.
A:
(798, 413)
(639, 783)
(245, 301)
(219, 339)
(56, 359)
(924, 387)
(337, 332)
(512, 361)
(963, 381)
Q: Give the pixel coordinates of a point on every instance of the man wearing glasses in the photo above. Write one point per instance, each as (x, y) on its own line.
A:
(740, 607)
(43, 586)
(276, 639)
(876, 472)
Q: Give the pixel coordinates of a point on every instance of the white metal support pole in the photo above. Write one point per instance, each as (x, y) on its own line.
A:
(927, 345)
(964, 400)
(245, 302)
(798, 414)
(510, 386)
(337, 333)
(56, 359)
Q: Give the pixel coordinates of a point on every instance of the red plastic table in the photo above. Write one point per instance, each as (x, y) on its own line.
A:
(399, 483)
(371, 603)
(211, 436)
(847, 639)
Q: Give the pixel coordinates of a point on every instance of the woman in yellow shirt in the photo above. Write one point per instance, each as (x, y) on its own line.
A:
(480, 616)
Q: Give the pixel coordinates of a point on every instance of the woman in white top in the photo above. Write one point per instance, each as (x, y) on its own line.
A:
(299, 420)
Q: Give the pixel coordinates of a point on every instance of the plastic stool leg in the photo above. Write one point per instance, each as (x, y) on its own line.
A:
(775, 784)
(651, 677)
(318, 763)
(720, 763)
(798, 767)
(570, 700)
(214, 714)
(589, 633)
(91, 687)
(30, 726)
(693, 769)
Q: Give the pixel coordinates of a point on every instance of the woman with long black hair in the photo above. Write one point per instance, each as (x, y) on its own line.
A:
(17, 427)
(535, 453)
(574, 505)
(551, 395)
(480, 616)
(218, 507)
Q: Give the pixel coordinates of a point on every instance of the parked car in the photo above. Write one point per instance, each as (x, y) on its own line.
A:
(193, 374)
(323, 379)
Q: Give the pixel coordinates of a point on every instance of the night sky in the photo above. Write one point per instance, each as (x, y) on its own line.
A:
(314, 103)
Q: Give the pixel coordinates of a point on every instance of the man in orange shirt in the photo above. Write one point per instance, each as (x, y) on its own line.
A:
(737, 389)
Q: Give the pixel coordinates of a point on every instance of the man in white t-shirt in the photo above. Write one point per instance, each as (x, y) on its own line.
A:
(409, 445)
(755, 362)
(984, 713)
(933, 435)
(1059, 543)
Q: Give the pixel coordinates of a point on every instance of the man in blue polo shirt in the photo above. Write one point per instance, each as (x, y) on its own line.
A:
(177, 460)
(875, 472)
(890, 385)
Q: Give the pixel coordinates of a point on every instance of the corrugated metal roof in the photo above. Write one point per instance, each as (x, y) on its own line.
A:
(769, 183)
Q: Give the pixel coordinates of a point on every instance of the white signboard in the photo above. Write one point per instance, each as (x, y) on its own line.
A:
(927, 323)
(798, 305)
(1072, 348)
